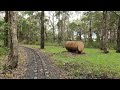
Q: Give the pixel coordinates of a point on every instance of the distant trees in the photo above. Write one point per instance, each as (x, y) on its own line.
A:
(97, 29)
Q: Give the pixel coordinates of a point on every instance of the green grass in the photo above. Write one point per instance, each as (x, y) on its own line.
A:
(94, 63)
(3, 52)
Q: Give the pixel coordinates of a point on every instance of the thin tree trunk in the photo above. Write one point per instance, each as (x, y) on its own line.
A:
(118, 37)
(63, 32)
(46, 34)
(6, 29)
(101, 40)
(90, 35)
(59, 29)
(53, 28)
(13, 56)
(42, 30)
(80, 33)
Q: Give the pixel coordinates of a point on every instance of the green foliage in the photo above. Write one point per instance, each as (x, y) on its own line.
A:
(3, 51)
(2, 23)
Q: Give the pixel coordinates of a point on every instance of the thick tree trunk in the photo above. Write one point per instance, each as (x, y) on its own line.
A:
(105, 32)
(13, 56)
(118, 37)
(42, 30)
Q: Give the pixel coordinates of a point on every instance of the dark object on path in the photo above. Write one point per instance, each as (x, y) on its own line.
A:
(74, 46)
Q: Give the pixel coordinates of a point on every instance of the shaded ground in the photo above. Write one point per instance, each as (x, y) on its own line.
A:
(40, 66)
(20, 70)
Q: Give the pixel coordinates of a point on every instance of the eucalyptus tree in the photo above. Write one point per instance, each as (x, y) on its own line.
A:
(13, 56)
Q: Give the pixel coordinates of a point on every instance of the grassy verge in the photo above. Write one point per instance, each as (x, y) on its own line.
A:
(3, 52)
(93, 64)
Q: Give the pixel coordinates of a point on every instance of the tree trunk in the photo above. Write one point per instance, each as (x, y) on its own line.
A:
(90, 35)
(42, 30)
(101, 38)
(118, 37)
(53, 29)
(80, 33)
(63, 31)
(59, 28)
(46, 34)
(110, 40)
(6, 29)
(105, 32)
(13, 56)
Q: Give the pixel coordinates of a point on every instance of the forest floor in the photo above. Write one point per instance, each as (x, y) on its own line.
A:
(33, 64)
(56, 62)
(18, 72)
(40, 66)
(92, 65)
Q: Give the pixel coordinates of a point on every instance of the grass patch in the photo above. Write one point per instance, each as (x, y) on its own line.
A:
(93, 64)
(3, 53)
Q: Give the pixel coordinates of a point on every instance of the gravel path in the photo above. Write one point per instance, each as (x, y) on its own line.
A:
(39, 66)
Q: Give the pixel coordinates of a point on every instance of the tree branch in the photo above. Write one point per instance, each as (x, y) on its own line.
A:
(115, 13)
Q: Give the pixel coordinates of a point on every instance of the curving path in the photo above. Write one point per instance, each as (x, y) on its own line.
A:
(39, 66)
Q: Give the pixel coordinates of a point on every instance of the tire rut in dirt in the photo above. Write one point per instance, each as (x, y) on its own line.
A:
(30, 66)
(36, 67)
(52, 72)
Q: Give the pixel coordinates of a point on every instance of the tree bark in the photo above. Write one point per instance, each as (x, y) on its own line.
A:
(105, 33)
(53, 28)
(13, 56)
(42, 30)
(6, 29)
(80, 33)
(90, 32)
(46, 34)
(118, 37)
(59, 28)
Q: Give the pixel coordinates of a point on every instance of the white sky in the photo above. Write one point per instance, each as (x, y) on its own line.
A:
(72, 17)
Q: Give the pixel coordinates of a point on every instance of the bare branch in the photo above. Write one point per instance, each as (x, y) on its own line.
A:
(115, 13)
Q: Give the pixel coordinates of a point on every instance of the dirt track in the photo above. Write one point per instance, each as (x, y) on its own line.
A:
(39, 66)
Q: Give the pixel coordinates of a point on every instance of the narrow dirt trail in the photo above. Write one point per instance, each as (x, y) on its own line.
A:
(39, 66)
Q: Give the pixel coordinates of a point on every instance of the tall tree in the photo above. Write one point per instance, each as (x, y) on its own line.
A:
(6, 29)
(90, 28)
(52, 22)
(59, 24)
(42, 30)
(79, 33)
(105, 33)
(13, 56)
(118, 36)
